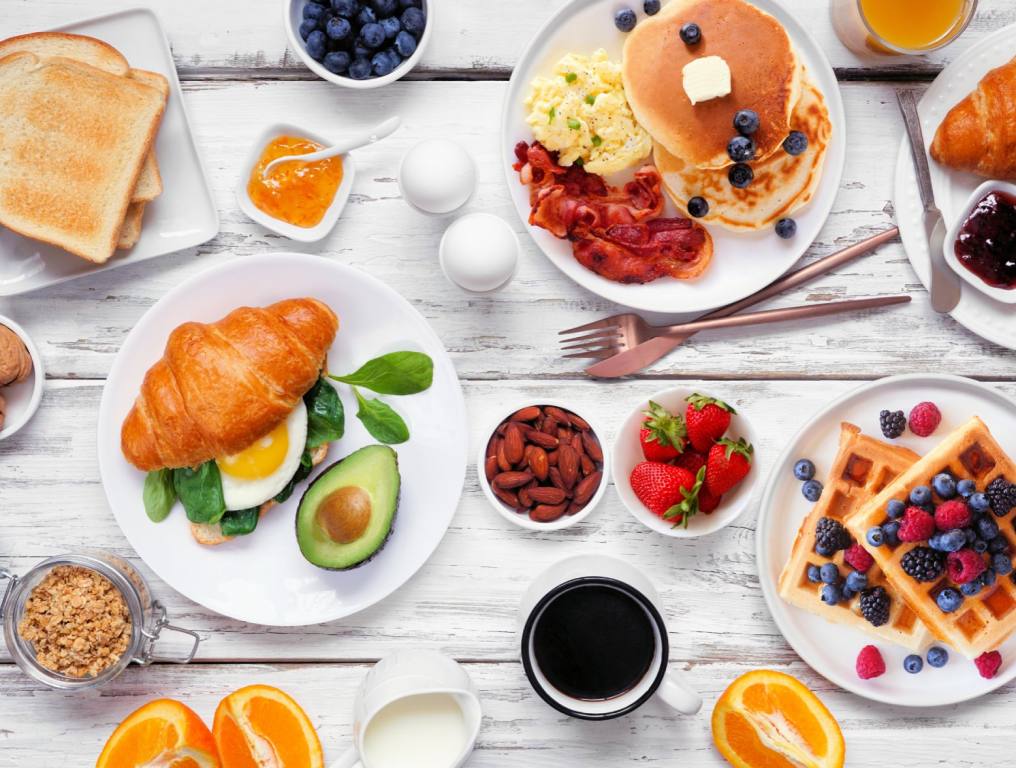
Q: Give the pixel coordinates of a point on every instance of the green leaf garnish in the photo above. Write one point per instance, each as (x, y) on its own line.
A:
(571, 77)
(383, 423)
(551, 114)
(240, 522)
(591, 99)
(574, 124)
(326, 418)
(597, 141)
(159, 494)
(397, 373)
(200, 490)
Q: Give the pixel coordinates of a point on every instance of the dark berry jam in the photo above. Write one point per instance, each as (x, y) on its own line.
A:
(986, 244)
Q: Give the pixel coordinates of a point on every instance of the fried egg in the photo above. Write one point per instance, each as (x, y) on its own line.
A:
(259, 472)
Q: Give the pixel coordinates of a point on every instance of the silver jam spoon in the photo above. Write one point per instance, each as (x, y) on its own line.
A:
(362, 139)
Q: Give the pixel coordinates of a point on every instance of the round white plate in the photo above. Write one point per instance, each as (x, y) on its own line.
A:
(743, 263)
(262, 578)
(989, 319)
(831, 649)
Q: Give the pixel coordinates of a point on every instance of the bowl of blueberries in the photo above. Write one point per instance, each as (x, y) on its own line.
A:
(359, 43)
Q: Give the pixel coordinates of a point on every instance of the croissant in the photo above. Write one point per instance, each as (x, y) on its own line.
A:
(221, 386)
(979, 133)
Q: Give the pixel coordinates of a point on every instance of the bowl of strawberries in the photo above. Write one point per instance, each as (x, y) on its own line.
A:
(683, 463)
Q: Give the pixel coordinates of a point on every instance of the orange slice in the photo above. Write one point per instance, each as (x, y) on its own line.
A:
(768, 719)
(262, 726)
(161, 734)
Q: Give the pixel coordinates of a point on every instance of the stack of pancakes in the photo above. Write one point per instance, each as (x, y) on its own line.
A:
(690, 140)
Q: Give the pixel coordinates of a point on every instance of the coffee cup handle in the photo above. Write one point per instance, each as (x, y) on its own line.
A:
(677, 694)
(350, 759)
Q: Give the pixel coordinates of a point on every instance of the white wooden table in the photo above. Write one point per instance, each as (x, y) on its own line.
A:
(238, 75)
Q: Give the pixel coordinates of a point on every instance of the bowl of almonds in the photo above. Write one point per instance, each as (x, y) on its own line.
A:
(543, 467)
(21, 378)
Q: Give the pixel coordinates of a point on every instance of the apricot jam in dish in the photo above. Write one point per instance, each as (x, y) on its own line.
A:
(986, 244)
(296, 193)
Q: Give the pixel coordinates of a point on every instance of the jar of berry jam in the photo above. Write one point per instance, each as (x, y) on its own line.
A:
(983, 242)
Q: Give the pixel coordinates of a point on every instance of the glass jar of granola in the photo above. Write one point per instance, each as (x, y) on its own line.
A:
(77, 621)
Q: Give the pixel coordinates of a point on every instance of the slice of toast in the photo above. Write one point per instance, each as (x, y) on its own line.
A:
(73, 139)
(98, 53)
(130, 232)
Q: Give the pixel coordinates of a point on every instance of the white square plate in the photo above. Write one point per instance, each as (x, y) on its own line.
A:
(183, 216)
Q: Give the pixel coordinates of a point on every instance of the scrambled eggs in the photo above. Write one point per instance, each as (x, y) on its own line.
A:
(580, 111)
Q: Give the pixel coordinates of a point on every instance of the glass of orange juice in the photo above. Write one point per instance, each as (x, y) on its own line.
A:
(900, 26)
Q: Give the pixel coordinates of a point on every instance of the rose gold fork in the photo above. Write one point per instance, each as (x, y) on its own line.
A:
(626, 343)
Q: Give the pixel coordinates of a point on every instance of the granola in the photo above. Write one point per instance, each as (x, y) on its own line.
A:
(77, 622)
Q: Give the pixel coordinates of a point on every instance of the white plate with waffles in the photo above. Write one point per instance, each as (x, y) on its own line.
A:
(831, 649)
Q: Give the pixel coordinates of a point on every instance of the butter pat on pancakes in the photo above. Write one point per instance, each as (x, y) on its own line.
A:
(706, 78)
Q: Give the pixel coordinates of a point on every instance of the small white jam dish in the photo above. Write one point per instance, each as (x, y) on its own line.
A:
(21, 400)
(1006, 296)
(522, 519)
(301, 234)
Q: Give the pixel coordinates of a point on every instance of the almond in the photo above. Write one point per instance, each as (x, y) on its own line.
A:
(587, 465)
(549, 426)
(492, 446)
(530, 413)
(539, 464)
(574, 507)
(587, 487)
(502, 460)
(543, 440)
(555, 478)
(552, 458)
(507, 497)
(490, 467)
(568, 463)
(579, 423)
(557, 414)
(576, 443)
(513, 445)
(509, 480)
(564, 434)
(525, 497)
(546, 513)
(592, 446)
(542, 495)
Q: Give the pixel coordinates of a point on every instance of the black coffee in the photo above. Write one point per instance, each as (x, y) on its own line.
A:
(594, 642)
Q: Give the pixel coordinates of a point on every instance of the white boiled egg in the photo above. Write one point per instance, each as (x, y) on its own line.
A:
(437, 176)
(479, 252)
(260, 471)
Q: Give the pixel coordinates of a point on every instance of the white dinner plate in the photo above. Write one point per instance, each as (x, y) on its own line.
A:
(988, 318)
(263, 578)
(743, 262)
(831, 649)
(183, 216)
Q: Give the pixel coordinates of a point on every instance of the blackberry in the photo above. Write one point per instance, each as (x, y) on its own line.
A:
(1001, 495)
(830, 537)
(875, 606)
(893, 423)
(923, 564)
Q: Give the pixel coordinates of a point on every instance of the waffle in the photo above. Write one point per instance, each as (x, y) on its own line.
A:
(862, 468)
(983, 621)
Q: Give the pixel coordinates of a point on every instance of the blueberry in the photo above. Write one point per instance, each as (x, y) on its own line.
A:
(814, 574)
(625, 20)
(338, 28)
(361, 51)
(392, 26)
(980, 546)
(965, 488)
(746, 121)
(857, 581)
(891, 531)
(651, 7)
(314, 11)
(971, 535)
(913, 663)
(306, 27)
(413, 21)
(410, 3)
(986, 528)
(944, 485)
(979, 502)
(740, 175)
(875, 536)
(317, 45)
(998, 545)
(846, 592)
(691, 33)
(1002, 564)
(971, 588)
(895, 508)
(405, 44)
(921, 494)
(386, 7)
(741, 149)
(366, 16)
(804, 469)
(953, 541)
(393, 57)
(949, 600)
(337, 62)
(360, 68)
(380, 64)
(830, 574)
(795, 143)
(831, 594)
(697, 206)
(987, 578)
(786, 228)
(812, 490)
(346, 8)
(938, 656)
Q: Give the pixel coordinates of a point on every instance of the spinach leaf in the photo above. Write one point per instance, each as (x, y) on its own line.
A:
(240, 522)
(200, 490)
(383, 423)
(397, 373)
(159, 494)
(326, 418)
(301, 474)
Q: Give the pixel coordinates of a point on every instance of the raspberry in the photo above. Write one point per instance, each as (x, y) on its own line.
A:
(875, 606)
(952, 514)
(988, 664)
(924, 419)
(870, 663)
(858, 557)
(964, 566)
(917, 525)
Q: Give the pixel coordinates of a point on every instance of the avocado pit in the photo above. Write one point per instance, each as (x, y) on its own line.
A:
(345, 513)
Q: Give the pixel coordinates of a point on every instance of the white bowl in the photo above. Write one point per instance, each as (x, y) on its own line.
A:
(24, 397)
(522, 520)
(331, 217)
(998, 294)
(628, 452)
(292, 13)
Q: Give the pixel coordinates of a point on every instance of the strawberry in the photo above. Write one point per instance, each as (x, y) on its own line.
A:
(707, 419)
(707, 502)
(662, 434)
(667, 491)
(691, 460)
(727, 464)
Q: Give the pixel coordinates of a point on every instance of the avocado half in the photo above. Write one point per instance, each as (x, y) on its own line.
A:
(346, 514)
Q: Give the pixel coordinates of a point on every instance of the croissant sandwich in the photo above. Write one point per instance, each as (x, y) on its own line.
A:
(234, 415)
(979, 134)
